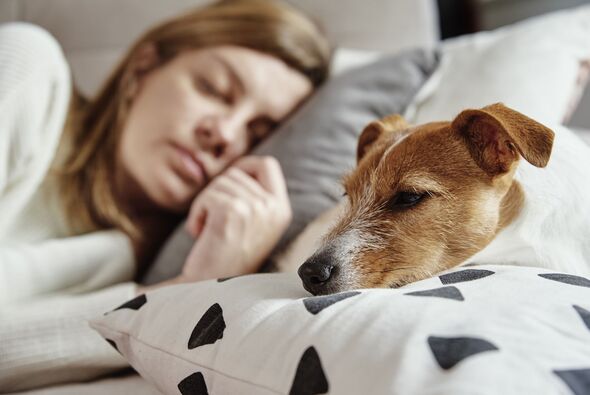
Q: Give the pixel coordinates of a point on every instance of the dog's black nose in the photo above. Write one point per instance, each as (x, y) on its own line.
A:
(315, 274)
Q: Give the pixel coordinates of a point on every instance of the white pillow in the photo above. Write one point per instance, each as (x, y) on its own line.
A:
(483, 329)
(531, 66)
(345, 59)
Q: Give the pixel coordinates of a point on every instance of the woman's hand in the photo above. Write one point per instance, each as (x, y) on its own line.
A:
(237, 220)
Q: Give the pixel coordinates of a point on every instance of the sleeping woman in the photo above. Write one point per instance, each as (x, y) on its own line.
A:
(90, 188)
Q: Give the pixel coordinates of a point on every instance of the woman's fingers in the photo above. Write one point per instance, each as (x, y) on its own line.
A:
(196, 218)
(236, 182)
(204, 209)
(265, 169)
(250, 186)
(237, 219)
(247, 182)
(215, 205)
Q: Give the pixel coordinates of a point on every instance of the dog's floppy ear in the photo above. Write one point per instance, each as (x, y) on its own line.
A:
(496, 135)
(374, 130)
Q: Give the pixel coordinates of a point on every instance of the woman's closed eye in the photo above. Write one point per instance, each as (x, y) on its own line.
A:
(208, 88)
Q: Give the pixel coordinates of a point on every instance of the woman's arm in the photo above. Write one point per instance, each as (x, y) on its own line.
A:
(35, 88)
(49, 341)
(72, 265)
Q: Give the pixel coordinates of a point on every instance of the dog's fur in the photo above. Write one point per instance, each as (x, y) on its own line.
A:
(492, 186)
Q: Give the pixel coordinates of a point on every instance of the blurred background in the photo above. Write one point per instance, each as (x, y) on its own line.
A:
(459, 17)
(94, 33)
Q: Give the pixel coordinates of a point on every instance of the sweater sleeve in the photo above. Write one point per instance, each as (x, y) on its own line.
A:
(49, 341)
(35, 88)
(68, 265)
(48, 289)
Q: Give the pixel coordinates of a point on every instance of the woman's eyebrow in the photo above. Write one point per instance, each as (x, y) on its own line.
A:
(232, 73)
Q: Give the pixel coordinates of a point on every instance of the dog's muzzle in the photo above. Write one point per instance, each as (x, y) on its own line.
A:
(320, 273)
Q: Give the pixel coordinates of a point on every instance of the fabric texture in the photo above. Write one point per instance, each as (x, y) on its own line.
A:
(531, 66)
(581, 116)
(49, 280)
(37, 254)
(485, 329)
(117, 384)
(317, 146)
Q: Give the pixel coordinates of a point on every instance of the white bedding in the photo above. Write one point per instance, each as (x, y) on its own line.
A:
(129, 384)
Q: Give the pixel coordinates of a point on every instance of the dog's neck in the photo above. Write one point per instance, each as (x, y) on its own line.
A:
(511, 205)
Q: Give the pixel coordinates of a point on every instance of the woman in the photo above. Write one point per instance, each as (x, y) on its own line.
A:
(88, 194)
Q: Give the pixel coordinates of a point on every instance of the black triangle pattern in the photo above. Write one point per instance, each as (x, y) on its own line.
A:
(113, 344)
(193, 385)
(223, 279)
(134, 304)
(567, 279)
(209, 329)
(464, 275)
(578, 380)
(443, 292)
(449, 351)
(584, 314)
(310, 378)
(316, 304)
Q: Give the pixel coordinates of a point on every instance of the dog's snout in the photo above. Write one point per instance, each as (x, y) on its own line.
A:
(316, 273)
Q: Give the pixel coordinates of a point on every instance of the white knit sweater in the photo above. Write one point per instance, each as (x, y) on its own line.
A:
(51, 281)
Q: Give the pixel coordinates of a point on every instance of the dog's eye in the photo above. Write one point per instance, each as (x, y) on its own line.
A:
(406, 199)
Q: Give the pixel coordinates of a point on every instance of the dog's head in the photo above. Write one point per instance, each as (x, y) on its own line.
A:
(425, 198)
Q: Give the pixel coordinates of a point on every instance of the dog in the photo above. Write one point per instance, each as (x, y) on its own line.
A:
(490, 187)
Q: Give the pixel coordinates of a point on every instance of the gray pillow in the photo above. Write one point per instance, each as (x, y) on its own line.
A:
(317, 145)
(581, 116)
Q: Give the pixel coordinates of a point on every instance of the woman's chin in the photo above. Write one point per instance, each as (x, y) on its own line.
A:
(174, 195)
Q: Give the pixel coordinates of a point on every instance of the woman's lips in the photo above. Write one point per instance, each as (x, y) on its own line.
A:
(191, 166)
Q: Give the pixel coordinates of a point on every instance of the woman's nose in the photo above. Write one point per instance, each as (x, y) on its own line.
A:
(218, 134)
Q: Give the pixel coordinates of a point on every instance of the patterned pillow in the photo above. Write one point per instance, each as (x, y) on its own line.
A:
(471, 330)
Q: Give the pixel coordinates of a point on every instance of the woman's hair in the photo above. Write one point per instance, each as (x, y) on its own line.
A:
(92, 131)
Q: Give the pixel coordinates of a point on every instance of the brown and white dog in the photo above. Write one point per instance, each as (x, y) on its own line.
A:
(493, 186)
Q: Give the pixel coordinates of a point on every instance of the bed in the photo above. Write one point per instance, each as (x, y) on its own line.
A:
(286, 336)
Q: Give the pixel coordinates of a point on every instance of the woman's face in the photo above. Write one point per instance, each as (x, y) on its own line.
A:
(192, 116)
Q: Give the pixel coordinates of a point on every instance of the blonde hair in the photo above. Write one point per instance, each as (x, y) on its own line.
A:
(94, 127)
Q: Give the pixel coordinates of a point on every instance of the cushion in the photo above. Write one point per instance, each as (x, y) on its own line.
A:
(584, 134)
(471, 330)
(318, 144)
(532, 66)
(580, 117)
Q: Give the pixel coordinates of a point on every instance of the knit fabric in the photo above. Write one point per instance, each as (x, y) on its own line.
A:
(51, 281)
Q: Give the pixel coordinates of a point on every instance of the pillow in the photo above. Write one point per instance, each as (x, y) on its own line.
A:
(581, 115)
(345, 59)
(531, 66)
(584, 134)
(318, 144)
(471, 330)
